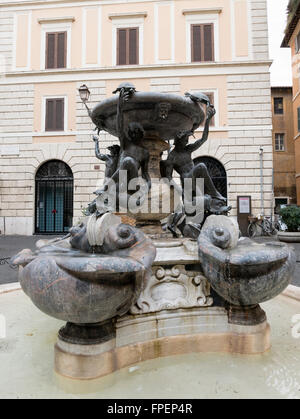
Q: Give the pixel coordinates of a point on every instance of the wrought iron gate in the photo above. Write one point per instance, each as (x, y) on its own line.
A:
(216, 171)
(54, 198)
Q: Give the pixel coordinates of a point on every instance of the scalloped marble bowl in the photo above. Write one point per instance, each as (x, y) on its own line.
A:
(248, 273)
(84, 288)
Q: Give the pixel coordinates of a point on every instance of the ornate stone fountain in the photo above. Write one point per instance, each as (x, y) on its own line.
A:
(130, 294)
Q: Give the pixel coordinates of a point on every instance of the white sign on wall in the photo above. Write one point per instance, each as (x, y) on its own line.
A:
(9, 150)
(244, 205)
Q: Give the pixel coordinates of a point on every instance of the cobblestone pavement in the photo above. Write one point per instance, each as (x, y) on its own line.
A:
(10, 245)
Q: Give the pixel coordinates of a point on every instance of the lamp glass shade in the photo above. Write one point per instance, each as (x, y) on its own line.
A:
(84, 93)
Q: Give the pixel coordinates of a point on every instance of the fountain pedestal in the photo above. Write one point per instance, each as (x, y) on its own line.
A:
(143, 337)
(160, 202)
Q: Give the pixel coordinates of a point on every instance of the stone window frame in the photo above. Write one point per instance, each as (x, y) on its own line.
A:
(52, 28)
(199, 19)
(124, 23)
(43, 114)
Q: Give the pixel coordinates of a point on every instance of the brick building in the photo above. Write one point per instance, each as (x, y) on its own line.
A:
(283, 146)
(48, 49)
(292, 40)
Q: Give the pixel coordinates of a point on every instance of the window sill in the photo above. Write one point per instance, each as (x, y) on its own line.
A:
(203, 62)
(126, 65)
(52, 133)
(55, 68)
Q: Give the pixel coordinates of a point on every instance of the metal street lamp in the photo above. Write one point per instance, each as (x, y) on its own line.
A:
(84, 94)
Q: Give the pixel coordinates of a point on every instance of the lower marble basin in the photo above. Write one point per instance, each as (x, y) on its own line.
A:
(248, 273)
(85, 288)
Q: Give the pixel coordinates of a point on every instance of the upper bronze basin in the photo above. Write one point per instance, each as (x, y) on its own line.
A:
(163, 113)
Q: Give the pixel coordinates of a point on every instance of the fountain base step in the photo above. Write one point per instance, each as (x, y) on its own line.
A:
(166, 333)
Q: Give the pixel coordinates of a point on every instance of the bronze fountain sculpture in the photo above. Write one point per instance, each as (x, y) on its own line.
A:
(132, 293)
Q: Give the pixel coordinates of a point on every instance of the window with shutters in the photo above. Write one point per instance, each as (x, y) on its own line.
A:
(202, 42)
(127, 46)
(56, 50)
(279, 142)
(55, 114)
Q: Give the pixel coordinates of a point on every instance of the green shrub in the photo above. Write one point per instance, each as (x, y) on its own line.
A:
(291, 217)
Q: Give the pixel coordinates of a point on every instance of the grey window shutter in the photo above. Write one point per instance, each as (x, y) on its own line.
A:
(56, 50)
(59, 115)
(54, 115)
(208, 42)
(50, 50)
(121, 49)
(133, 46)
(202, 42)
(49, 126)
(196, 43)
(61, 49)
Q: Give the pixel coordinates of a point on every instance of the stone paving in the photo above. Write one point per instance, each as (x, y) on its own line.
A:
(26, 360)
(10, 245)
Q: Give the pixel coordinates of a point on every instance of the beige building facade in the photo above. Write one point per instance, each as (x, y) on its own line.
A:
(49, 49)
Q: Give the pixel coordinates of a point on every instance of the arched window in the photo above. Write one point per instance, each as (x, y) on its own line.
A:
(54, 198)
(217, 173)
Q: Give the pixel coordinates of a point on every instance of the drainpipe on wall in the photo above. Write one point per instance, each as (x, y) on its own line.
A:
(261, 151)
(3, 225)
(272, 197)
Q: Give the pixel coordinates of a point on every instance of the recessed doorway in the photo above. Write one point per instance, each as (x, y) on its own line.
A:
(54, 198)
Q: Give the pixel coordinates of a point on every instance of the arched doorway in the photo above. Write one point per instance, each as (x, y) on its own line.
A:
(54, 198)
(216, 171)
